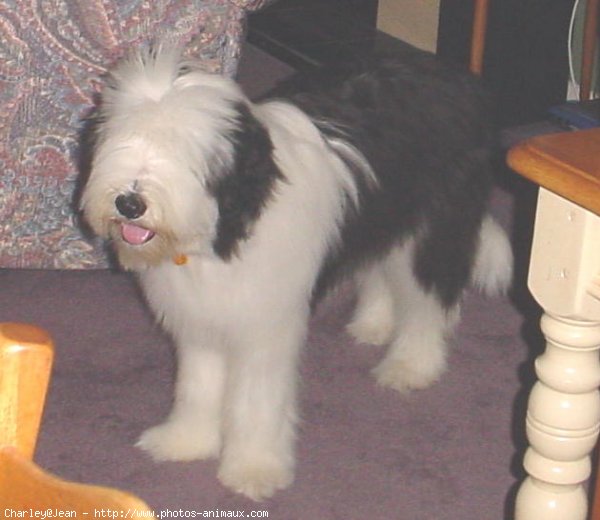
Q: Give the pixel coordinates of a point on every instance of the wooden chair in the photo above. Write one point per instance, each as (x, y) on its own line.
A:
(26, 354)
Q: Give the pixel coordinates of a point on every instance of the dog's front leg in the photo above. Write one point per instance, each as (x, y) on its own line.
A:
(260, 406)
(193, 428)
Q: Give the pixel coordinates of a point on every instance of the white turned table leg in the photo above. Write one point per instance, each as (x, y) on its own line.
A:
(563, 417)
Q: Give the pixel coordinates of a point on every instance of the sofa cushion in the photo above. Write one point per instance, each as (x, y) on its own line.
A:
(52, 54)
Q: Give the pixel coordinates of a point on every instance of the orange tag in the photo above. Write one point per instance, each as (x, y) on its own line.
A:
(180, 260)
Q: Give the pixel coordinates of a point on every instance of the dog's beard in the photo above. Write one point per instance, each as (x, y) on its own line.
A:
(173, 223)
(168, 230)
(139, 247)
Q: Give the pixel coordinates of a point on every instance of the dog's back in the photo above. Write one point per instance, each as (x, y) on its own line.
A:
(424, 128)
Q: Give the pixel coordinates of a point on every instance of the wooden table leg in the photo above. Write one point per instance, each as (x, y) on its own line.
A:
(563, 418)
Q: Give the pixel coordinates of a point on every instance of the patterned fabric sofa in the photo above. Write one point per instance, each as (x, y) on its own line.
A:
(52, 54)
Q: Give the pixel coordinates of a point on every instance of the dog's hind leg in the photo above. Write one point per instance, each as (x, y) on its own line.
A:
(416, 357)
(193, 428)
(374, 319)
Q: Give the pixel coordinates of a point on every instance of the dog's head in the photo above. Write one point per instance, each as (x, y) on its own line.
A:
(180, 165)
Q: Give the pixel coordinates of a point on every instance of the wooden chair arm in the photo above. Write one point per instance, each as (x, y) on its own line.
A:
(25, 486)
(26, 355)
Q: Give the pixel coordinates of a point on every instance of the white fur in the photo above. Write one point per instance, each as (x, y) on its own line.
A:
(492, 272)
(392, 309)
(238, 334)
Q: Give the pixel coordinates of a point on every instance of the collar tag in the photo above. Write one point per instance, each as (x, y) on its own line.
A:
(180, 259)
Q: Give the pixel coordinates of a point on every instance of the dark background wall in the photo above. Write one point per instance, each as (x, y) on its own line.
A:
(526, 57)
(525, 62)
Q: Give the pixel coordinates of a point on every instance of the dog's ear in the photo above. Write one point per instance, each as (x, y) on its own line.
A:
(88, 139)
(243, 192)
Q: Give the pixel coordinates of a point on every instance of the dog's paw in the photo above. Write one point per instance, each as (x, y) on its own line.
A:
(403, 376)
(257, 479)
(371, 331)
(179, 441)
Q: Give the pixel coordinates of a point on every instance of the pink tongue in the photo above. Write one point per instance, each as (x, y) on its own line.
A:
(135, 235)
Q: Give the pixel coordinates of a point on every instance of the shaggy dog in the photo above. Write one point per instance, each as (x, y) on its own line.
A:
(237, 217)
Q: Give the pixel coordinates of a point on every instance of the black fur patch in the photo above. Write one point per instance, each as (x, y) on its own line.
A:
(89, 134)
(424, 128)
(243, 192)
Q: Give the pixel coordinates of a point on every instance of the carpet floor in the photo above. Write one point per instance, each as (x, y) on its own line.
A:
(449, 452)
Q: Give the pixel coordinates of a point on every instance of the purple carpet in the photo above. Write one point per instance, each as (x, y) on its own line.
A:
(451, 452)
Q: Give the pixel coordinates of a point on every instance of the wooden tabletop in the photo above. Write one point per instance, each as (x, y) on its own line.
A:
(567, 164)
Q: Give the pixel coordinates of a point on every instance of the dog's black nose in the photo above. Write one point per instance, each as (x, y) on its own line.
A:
(130, 205)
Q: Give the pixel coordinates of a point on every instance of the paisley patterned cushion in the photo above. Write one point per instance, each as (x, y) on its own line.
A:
(52, 53)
